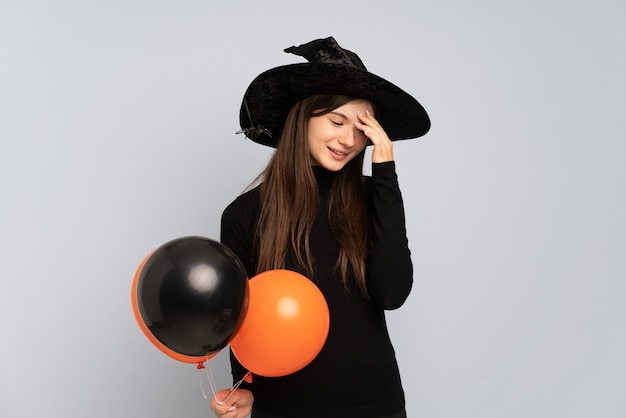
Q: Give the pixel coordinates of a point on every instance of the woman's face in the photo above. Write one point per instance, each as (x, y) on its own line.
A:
(333, 138)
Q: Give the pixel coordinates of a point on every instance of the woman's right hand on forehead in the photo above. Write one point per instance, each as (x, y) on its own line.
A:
(383, 147)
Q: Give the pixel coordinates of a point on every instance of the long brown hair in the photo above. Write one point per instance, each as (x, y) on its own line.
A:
(289, 200)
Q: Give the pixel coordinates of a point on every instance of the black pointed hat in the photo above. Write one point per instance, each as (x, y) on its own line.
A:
(331, 70)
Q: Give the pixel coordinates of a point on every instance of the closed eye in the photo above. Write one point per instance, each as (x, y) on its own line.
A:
(337, 118)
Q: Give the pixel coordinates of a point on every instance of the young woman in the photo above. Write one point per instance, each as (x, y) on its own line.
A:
(315, 213)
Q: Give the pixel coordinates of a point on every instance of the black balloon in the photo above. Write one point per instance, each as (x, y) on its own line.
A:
(192, 294)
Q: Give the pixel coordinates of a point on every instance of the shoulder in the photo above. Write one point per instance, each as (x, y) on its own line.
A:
(244, 206)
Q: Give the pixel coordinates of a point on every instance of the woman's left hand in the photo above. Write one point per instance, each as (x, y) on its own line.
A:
(238, 405)
(383, 147)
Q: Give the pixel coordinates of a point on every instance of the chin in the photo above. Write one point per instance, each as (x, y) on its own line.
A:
(333, 166)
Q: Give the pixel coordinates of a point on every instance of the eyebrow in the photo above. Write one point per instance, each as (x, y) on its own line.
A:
(338, 114)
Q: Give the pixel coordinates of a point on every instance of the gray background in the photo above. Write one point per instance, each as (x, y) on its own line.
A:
(117, 128)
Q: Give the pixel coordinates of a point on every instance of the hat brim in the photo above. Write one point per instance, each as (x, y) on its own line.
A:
(271, 95)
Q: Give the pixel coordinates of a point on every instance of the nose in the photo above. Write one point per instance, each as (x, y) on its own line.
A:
(348, 138)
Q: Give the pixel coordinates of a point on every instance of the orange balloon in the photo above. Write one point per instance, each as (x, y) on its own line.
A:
(285, 327)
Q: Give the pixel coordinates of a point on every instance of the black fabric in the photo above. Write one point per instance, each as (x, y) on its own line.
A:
(327, 51)
(355, 374)
(256, 414)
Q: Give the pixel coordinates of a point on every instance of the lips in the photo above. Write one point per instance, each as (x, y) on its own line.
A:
(337, 154)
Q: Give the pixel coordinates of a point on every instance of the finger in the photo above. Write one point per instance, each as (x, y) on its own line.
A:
(222, 408)
(370, 121)
(225, 411)
(222, 397)
(372, 132)
(371, 128)
(383, 146)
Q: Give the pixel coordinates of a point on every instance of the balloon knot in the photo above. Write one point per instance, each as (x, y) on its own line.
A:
(248, 377)
(200, 366)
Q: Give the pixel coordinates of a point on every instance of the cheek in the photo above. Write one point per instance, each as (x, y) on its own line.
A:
(361, 142)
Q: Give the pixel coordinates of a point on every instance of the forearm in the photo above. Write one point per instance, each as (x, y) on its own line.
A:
(390, 269)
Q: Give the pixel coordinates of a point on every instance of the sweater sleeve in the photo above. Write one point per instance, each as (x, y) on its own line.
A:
(236, 232)
(238, 225)
(390, 269)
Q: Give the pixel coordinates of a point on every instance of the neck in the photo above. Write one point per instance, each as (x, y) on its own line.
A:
(324, 177)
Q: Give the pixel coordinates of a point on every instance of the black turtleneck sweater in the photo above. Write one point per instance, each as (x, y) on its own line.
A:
(355, 374)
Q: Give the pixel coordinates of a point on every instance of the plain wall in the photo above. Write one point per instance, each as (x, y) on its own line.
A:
(117, 130)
